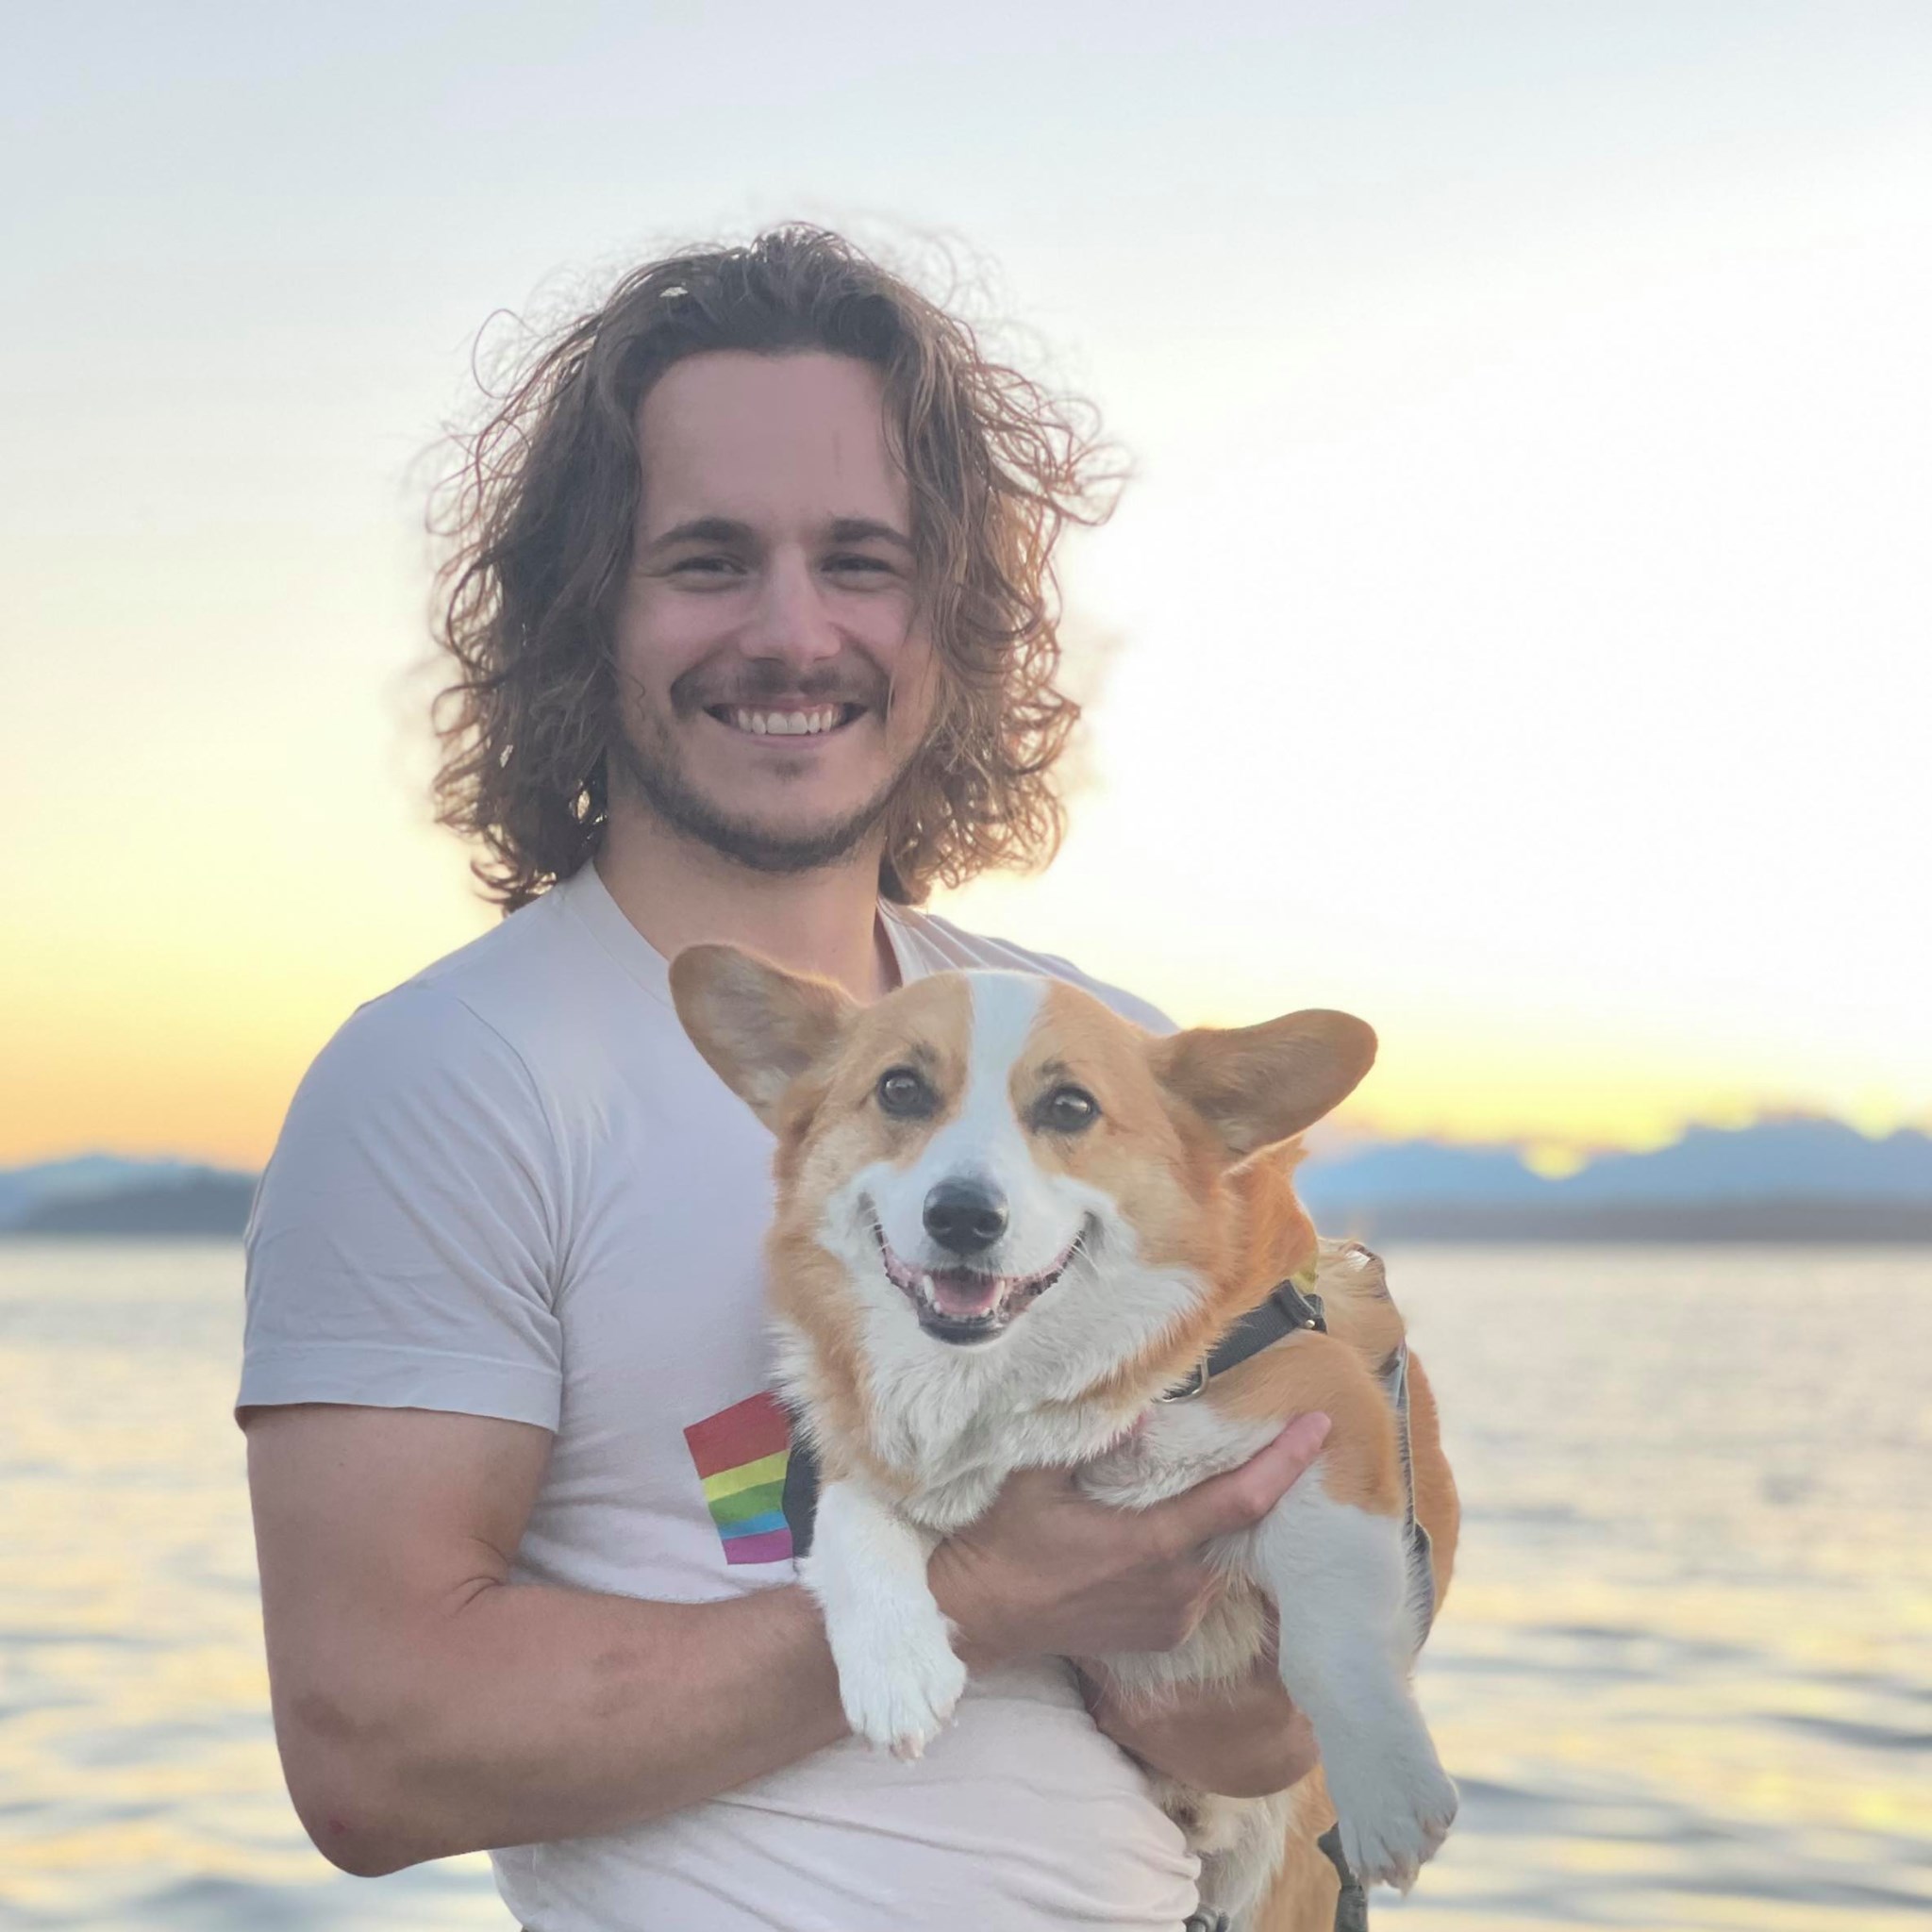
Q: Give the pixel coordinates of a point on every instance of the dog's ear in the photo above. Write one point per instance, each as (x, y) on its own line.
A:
(758, 1026)
(1258, 1084)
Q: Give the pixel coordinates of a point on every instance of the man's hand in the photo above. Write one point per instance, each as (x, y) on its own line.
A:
(1049, 1571)
(1243, 1740)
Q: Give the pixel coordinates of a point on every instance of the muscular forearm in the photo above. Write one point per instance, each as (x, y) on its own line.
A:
(529, 1713)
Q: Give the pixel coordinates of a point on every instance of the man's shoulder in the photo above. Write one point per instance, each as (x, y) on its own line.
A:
(420, 1051)
(474, 1018)
(533, 973)
(947, 946)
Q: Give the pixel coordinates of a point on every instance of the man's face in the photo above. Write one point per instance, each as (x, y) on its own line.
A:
(775, 677)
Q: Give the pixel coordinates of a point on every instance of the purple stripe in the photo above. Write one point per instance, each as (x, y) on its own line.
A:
(772, 1546)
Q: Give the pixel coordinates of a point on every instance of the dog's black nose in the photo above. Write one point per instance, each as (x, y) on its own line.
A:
(965, 1216)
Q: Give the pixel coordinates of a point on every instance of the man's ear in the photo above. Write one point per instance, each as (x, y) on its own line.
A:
(1258, 1084)
(758, 1026)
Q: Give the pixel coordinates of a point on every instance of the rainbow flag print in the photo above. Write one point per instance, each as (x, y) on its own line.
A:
(740, 1454)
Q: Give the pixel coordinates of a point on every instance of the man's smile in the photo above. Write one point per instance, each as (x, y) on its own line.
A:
(816, 721)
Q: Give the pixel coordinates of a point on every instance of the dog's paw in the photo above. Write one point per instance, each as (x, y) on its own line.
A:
(901, 1702)
(1394, 1811)
(1389, 1843)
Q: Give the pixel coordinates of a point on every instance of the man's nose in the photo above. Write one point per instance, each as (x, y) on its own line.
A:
(965, 1216)
(791, 622)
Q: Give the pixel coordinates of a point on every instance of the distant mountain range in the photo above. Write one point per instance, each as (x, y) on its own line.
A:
(1791, 1179)
(103, 1195)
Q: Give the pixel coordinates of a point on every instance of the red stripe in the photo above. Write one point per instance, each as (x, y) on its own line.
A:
(742, 1433)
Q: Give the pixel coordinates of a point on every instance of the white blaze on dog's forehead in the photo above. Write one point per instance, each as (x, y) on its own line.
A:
(983, 1139)
(1005, 1007)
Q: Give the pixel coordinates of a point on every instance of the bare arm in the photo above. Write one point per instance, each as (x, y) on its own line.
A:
(424, 1706)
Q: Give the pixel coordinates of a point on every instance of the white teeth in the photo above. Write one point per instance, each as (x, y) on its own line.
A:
(785, 723)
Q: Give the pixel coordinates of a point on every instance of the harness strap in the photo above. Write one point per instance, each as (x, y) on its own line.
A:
(800, 1497)
(1285, 1309)
(1416, 1544)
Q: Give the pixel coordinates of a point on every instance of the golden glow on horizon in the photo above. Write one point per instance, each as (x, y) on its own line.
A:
(135, 1036)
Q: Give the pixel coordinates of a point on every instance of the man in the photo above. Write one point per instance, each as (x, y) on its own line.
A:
(752, 603)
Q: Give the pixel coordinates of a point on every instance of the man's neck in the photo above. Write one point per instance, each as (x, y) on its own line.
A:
(678, 893)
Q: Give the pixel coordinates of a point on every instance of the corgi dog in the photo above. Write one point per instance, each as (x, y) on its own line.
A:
(1010, 1228)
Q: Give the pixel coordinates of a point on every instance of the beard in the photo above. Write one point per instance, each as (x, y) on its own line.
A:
(644, 758)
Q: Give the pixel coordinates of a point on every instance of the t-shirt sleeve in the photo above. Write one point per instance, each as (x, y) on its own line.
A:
(401, 1250)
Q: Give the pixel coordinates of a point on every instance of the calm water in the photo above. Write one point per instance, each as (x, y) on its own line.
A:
(1685, 1675)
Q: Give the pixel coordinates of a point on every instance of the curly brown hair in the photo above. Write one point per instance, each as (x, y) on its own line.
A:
(539, 520)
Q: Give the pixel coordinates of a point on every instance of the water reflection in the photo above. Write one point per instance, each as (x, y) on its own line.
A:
(1684, 1675)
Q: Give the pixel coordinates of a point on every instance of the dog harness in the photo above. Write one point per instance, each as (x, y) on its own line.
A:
(1288, 1309)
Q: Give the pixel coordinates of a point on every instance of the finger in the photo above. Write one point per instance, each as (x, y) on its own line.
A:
(1240, 1499)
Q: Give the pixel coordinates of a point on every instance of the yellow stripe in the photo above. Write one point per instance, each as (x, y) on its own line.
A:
(727, 1482)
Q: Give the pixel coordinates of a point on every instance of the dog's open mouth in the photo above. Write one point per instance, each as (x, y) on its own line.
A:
(967, 1305)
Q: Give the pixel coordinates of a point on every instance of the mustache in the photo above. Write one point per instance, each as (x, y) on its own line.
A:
(766, 681)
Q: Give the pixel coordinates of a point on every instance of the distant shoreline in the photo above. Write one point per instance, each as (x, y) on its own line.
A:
(1799, 1180)
(1816, 1222)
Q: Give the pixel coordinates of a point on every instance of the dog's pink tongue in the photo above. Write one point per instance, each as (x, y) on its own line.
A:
(957, 1292)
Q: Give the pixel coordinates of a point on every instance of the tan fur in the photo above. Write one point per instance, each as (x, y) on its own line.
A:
(1316, 1371)
(1304, 1894)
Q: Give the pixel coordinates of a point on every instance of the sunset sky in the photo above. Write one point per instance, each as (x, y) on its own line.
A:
(1517, 627)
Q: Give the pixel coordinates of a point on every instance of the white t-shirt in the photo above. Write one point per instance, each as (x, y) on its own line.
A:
(509, 1187)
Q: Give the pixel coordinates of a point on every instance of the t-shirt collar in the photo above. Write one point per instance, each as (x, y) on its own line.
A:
(585, 895)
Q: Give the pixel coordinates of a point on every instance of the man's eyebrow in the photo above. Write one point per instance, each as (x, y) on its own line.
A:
(858, 529)
(729, 530)
(704, 530)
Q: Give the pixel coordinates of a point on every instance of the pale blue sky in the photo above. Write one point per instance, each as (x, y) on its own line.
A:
(1521, 603)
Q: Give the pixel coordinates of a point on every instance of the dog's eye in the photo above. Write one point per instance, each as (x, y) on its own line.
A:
(1067, 1109)
(903, 1092)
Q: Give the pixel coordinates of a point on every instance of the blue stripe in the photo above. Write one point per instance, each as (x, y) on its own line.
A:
(754, 1525)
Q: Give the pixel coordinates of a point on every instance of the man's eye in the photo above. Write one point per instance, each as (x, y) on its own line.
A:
(904, 1094)
(1069, 1109)
(705, 566)
(864, 565)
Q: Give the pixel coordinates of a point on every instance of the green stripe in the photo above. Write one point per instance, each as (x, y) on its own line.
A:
(726, 1510)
